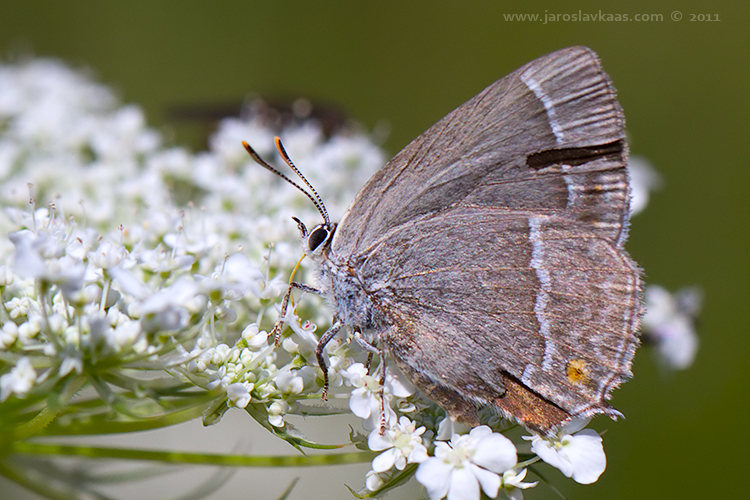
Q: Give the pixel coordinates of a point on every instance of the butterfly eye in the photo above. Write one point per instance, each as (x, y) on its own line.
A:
(317, 236)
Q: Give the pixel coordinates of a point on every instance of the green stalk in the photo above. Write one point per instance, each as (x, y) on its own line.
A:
(195, 458)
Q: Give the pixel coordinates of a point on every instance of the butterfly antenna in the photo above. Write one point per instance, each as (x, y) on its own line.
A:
(263, 163)
(285, 156)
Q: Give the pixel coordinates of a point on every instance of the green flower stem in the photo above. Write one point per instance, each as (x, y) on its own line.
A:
(103, 424)
(47, 415)
(195, 458)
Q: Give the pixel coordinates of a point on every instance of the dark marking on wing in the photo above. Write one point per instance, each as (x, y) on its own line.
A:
(574, 156)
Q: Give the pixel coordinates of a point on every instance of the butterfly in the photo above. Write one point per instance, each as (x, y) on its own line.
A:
(487, 259)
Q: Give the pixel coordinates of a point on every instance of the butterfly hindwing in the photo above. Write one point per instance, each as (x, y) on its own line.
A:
(479, 299)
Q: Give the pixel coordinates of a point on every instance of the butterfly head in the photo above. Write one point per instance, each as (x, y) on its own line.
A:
(318, 240)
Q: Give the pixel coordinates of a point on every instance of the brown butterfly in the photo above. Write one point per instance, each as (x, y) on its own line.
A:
(486, 259)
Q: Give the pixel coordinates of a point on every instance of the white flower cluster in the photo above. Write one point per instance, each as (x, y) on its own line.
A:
(149, 256)
(480, 460)
(126, 256)
(669, 323)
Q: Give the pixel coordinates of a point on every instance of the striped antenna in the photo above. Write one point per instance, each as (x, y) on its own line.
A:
(288, 161)
(317, 201)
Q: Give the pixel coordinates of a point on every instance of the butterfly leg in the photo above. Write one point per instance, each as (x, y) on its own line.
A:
(279, 325)
(368, 362)
(367, 347)
(324, 339)
(372, 350)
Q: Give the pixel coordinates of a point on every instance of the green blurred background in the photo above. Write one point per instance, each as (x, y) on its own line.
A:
(683, 85)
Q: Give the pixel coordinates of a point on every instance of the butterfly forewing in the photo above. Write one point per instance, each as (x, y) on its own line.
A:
(514, 132)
